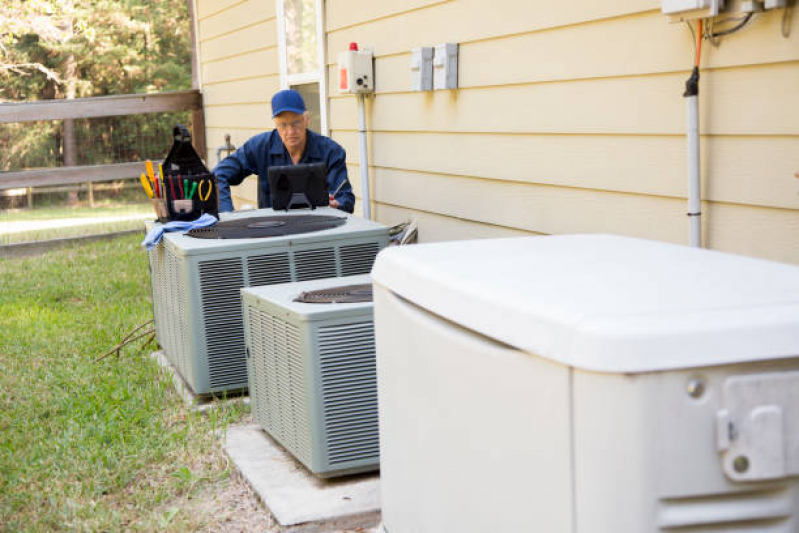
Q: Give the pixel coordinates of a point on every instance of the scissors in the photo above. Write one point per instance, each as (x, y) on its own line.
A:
(204, 197)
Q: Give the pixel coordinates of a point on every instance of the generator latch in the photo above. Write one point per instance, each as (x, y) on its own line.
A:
(757, 432)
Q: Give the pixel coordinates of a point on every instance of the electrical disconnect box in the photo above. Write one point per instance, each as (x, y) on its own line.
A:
(355, 71)
(422, 69)
(680, 10)
(445, 66)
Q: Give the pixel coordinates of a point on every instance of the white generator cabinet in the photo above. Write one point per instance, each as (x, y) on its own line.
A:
(588, 384)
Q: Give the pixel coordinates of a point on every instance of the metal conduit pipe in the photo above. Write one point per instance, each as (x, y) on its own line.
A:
(363, 157)
(694, 184)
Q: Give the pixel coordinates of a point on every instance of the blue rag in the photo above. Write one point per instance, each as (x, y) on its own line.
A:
(154, 235)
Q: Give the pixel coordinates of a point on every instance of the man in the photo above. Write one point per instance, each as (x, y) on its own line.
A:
(290, 143)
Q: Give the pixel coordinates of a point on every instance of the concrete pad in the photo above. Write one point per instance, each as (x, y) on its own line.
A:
(193, 401)
(299, 501)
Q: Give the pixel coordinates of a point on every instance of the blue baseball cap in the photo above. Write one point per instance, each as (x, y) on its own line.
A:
(287, 100)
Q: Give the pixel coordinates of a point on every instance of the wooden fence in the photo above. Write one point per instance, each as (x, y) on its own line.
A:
(104, 106)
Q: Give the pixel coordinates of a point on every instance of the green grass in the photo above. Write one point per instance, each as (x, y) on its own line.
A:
(104, 209)
(101, 210)
(86, 445)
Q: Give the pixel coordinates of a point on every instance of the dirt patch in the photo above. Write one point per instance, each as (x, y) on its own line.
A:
(230, 506)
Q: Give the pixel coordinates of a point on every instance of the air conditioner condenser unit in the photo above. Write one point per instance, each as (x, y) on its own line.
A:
(311, 368)
(586, 383)
(196, 281)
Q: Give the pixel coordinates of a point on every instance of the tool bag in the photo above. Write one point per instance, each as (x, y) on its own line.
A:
(190, 189)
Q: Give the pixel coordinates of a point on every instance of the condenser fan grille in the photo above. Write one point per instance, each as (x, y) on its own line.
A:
(346, 294)
(263, 227)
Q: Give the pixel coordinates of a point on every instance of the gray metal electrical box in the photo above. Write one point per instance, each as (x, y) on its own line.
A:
(422, 69)
(445, 66)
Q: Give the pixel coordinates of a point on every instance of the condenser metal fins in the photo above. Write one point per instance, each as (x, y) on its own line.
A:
(196, 283)
(355, 258)
(322, 384)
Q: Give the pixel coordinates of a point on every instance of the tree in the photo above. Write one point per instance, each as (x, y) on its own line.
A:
(67, 49)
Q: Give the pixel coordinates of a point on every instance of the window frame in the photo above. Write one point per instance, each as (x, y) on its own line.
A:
(320, 76)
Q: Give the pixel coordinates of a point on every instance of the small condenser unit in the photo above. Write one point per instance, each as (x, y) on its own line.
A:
(586, 384)
(196, 281)
(311, 367)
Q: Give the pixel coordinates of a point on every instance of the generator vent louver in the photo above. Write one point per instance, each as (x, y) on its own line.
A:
(358, 258)
(349, 389)
(767, 509)
(278, 393)
(220, 284)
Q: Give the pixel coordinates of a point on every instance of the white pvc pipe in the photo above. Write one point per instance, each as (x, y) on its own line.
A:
(363, 157)
(694, 204)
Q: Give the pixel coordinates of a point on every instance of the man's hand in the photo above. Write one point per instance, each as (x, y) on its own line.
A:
(333, 202)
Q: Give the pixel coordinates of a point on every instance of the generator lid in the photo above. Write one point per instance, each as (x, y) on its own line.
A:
(602, 302)
(284, 298)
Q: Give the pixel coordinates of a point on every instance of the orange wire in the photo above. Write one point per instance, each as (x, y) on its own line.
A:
(698, 43)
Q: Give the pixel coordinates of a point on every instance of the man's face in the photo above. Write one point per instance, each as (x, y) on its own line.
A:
(292, 129)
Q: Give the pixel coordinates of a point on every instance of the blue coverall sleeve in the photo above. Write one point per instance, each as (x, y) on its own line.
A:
(336, 173)
(232, 170)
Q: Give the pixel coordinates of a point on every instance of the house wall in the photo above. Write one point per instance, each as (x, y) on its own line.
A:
(239, 73)
(570, 118)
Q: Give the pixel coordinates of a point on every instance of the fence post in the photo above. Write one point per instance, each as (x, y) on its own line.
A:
(198, 131)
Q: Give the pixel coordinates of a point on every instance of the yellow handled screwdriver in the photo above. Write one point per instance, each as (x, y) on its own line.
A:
(146, 185)
(151, 174)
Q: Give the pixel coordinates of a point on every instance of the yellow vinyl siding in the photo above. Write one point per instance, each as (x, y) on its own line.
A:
(434, 227)
(260, 36)
(238, 50)
(733, 101)
(569, 117)
(235, 18)
(244, 91)
(469, 20)
(341, 13)
(206, 8)
(645, 164)
(638, 44)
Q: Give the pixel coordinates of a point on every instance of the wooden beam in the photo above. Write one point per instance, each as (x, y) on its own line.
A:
(195, 59)
(68, 175)
(101, 106)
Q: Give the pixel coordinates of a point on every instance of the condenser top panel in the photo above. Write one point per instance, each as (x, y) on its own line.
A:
(348, 226)
(602, 302)
(283, 298)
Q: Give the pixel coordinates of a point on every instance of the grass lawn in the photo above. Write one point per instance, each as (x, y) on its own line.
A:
(85, 445)
(58, 222)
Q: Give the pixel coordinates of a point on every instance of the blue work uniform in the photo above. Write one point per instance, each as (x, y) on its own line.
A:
(265, 150)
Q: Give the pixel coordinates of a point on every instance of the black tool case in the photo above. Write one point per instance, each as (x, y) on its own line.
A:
(183, 165)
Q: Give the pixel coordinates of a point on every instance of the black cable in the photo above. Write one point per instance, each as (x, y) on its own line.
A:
(734, 28)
